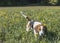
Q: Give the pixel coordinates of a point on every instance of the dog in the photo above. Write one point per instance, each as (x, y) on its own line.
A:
(37, 27)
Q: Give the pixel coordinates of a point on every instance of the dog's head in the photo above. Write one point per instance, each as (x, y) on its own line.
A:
(42, 30)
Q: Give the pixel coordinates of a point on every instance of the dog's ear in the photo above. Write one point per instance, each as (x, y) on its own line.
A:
(37, 28)
(45, 29)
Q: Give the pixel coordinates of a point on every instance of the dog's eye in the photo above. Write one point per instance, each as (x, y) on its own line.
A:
(39, 29)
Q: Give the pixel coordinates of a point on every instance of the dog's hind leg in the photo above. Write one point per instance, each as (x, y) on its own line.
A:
(28, 26)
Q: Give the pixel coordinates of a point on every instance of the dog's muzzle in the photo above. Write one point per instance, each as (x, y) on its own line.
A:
(41, 33)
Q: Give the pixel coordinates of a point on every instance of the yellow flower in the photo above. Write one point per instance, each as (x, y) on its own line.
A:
(44, 24)
(43, 20)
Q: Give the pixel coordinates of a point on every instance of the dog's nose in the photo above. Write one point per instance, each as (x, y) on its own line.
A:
(41, 33)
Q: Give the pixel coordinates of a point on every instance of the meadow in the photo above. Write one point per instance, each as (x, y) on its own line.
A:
(12, 24)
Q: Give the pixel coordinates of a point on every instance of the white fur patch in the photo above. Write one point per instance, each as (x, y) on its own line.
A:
(22, 13)
(36, 23)
(41, 32)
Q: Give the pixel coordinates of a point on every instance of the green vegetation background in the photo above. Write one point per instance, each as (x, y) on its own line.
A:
(12, 24)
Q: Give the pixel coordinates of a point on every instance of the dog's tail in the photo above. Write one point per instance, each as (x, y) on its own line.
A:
(22, 13)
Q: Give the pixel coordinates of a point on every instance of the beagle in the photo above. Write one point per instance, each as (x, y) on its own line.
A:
(37, 27)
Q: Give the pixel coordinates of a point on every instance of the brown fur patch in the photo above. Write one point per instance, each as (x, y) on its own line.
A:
(38, 28)
(28, 18)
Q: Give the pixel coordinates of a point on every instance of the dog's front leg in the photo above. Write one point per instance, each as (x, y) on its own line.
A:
(35, 34)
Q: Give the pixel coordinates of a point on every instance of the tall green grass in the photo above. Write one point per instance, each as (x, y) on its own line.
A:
(12, 24)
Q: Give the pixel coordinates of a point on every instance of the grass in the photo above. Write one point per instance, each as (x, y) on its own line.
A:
(12, 24)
